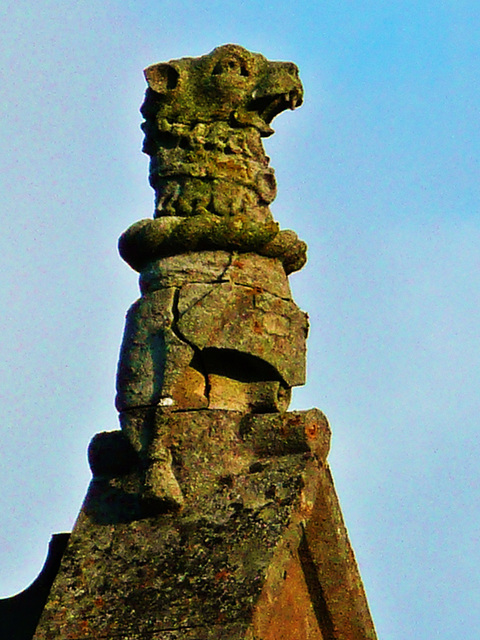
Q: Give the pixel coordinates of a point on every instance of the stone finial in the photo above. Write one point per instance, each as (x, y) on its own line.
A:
(212, 512)
(216, 326)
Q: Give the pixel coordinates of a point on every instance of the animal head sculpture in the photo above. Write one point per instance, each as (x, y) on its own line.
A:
(204, 120)
(230, 84)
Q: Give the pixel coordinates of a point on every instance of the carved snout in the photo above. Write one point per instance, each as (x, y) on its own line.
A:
(161, 77)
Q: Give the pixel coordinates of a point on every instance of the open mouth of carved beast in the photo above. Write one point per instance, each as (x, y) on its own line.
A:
(270, 106)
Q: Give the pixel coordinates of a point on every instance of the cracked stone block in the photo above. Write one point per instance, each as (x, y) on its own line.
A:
(183, 268)
(154, 360)
(212, 513)
(242, 319)
(248, 269)
(259, 272)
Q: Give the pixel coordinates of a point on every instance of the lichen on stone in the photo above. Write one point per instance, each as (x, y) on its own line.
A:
(204, 120)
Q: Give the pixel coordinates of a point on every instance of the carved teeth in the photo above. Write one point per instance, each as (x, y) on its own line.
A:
(292, 100)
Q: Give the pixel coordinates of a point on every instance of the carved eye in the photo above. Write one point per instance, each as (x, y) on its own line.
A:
(232, 66)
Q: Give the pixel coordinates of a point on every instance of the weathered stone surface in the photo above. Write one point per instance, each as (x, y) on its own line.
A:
(259, 272)
(154, 361)
(204, 120)
(148, 240)
(238, 395)
(111, 454)
(247, 321)
(236, 554)
(214, 109)
(216, 326)
(293, 432)
(212, 513)
(285, 609)
(248, 269)
(184, 268)
(213, 330)
(240, 438)
(230, 82)
(326, 548)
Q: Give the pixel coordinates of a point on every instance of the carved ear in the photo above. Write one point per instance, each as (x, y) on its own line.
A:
(161, 77)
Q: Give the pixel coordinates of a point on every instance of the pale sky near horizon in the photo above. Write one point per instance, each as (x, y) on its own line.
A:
(378, 171)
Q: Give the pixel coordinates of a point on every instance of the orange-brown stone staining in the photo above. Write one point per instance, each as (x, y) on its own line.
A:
(285, 611)
(333, 557)
(237, 395)
(311, 430)
(203, 566)
(188, 391)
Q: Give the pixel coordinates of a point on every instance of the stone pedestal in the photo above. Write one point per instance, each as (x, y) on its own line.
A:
(258, 551)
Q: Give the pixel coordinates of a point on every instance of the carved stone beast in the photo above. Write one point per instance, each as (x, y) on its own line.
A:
(216, 326)
(204, 120)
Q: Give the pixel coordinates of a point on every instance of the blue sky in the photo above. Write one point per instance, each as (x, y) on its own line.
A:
(378, 172)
